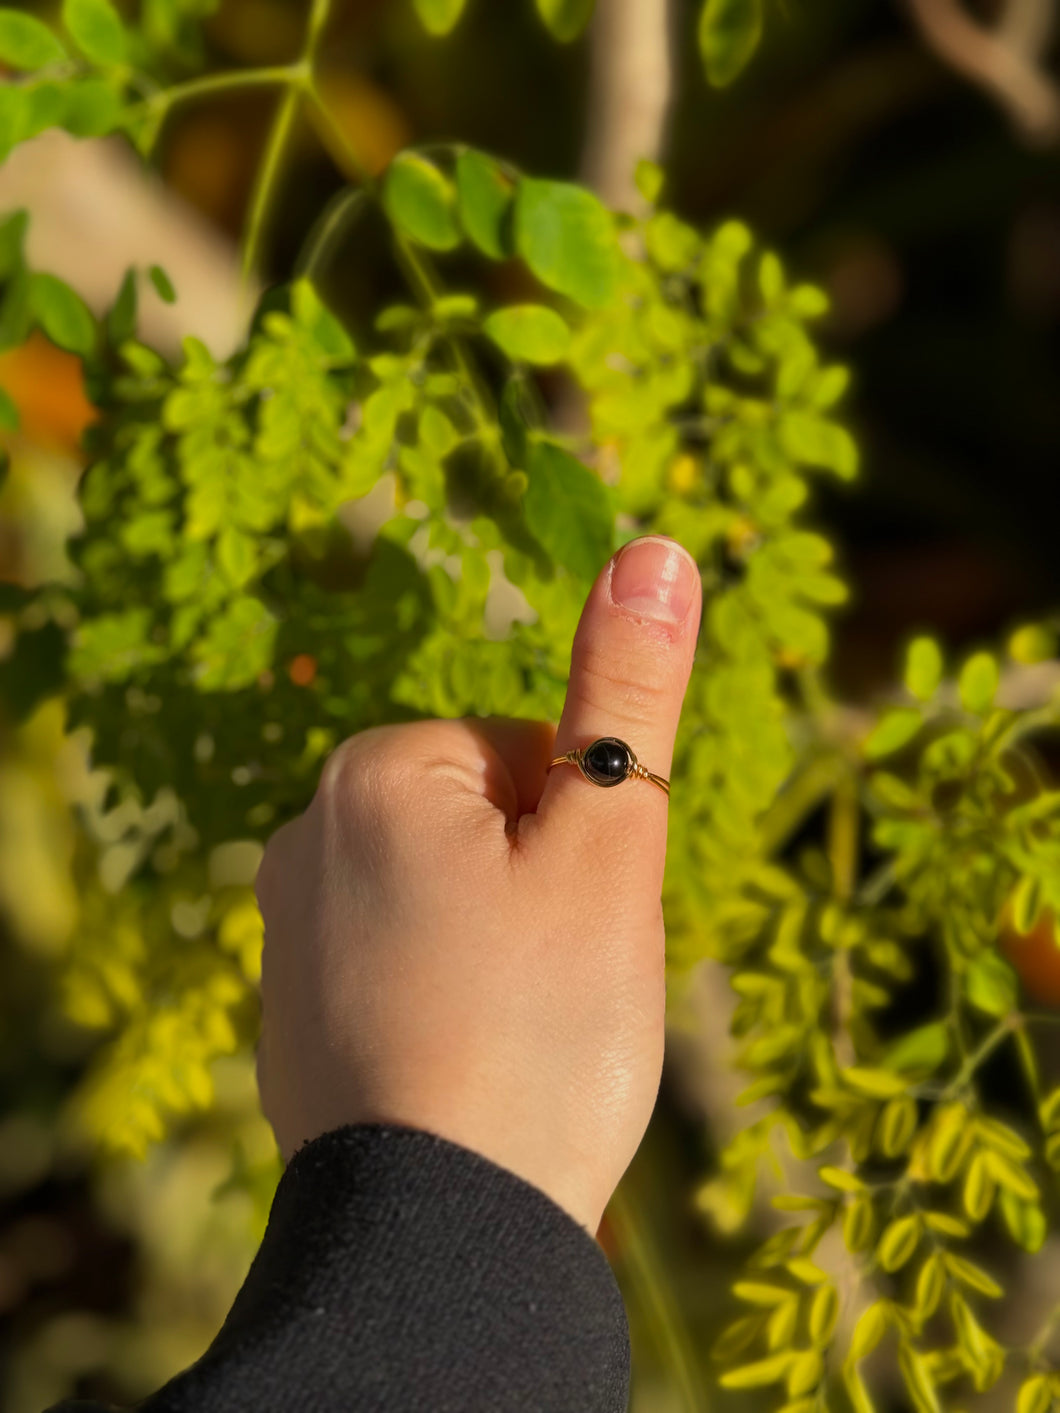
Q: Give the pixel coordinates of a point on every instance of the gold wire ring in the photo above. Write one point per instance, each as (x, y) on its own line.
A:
(607, 762)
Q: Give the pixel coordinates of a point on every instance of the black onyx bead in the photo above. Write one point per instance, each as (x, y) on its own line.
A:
(607, 761)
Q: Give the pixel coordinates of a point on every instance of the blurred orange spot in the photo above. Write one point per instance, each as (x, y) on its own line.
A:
(207, 161)
(1035, 955)
(368, 117)
(46, 386)
(302, 669)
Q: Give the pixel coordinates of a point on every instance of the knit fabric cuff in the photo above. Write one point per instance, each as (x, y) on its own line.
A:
(402, 1272)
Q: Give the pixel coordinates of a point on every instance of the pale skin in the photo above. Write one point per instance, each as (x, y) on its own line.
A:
(460, 941)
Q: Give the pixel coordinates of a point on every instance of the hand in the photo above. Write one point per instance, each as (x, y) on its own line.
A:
(459, 942)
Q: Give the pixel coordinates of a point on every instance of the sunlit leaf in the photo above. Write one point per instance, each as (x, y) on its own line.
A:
(62, 314)
(568, 510)
(439, 16)
(923, 668)
(485, 196)
(532, 333)
(567, 237)
(26, 43)
(978, 683)
(729, 34)
(565, 18)
(96, 28)
(421, 202)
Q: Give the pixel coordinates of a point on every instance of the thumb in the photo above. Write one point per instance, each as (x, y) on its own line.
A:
(630, 665)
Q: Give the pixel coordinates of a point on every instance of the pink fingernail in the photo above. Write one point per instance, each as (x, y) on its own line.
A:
(656, 578)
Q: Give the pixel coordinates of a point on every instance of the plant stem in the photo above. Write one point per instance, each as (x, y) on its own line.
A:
(168, 98)
(663, 1317)
(339, 214)
(299, 80)
(1000, 1032)
(346, 147)
(264, 186)
(817, 779)
(843, 854)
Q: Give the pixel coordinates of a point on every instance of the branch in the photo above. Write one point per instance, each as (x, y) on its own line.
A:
(629, 96)
(1005, 60)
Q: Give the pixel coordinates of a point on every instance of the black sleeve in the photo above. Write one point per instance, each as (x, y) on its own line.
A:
(400, 1272)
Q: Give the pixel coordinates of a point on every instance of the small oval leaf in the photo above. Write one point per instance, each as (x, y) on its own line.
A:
(26, 43)
(565, 18)
(96, 28)
(567, 237)
(923, 668)
(439, 16)
(62, 314)
(978, 683)
(530, 332)
(484, 196)
(729, 33)
(421, 202)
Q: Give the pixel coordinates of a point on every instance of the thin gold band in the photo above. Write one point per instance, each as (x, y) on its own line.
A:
(636, 771)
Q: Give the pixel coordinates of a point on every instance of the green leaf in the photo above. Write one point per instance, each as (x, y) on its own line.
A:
(531, 332)
(8, 413)
(918, 1380)
(567, 237)
(92, 108)
(96, 29)
(448, 308)
(869, 1330)
(759, 1374)
(421, 202)
(1032, 643)
(990, 984)
(12, 237)
(237, 647)
(565, 18)
(25, 43)
(437, 433)
(729, 34)
(978, 683)
(313, 315)
(895, 730)
(568, 510)
(1027, 902)
(922, 1049)
(879, 1084)
(898, 1243)
(163, 284)
(484, 196)
(62, 314)
(439, 16)
(930, 1286)
(973, 1276)
(1035, 1396)
(824, 1314)
(649, 178)
(758, 1293)
(897, 1125)
(519, 413)
(979, 1188)
(121, 317)
(923, 668)
(859, 1224)
(814, 441)
(840, 1179)
(16, 316)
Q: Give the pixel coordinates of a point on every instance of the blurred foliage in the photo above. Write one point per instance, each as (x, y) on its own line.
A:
(216, 632)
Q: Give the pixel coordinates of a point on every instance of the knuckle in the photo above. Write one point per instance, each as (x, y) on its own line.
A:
(608, 682)
(371, 777)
